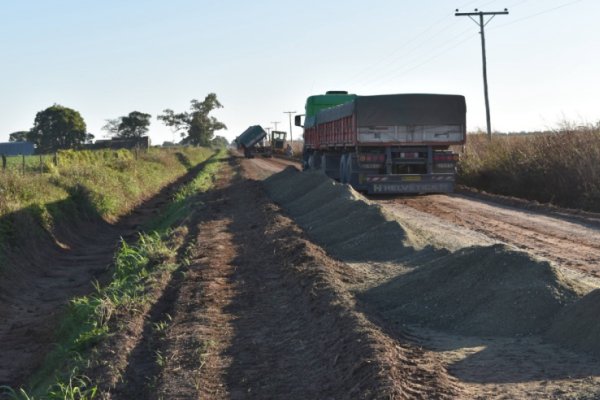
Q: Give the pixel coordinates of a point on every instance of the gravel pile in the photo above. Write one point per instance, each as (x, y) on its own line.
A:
(491, 290)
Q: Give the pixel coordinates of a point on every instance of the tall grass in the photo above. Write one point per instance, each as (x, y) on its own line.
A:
(560, 167)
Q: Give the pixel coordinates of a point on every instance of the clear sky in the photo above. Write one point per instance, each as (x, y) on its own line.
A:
(263, 57)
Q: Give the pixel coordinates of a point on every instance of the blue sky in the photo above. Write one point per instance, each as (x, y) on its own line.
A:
(108, 58)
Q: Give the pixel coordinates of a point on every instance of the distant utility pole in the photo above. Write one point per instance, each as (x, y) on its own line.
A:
(289, 113)
(482, 25)
(275, 124)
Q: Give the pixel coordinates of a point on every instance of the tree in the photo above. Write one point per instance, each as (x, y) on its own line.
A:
(58, 127)
(219, 142)
(19, 136)
(134, 125)
(197, 127)
(112, 126)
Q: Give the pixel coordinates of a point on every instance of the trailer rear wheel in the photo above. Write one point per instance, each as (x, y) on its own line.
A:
(311, 162)
(343, 168)
(349, 168)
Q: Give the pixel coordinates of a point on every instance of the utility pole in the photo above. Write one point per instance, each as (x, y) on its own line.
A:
(482, 23)
(268, 129)
(289, 113)
(275, 124)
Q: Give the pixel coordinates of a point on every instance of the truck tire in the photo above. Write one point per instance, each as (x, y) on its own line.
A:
(343, 169)
(311, 162)
(348, 173)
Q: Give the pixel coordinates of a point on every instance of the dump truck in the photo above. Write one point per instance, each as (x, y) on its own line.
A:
(396, 143)
(251, 140)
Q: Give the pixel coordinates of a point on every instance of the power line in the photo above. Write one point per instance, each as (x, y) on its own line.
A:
(428, 60)
(537, 14)
(393, 56)
(409, 65)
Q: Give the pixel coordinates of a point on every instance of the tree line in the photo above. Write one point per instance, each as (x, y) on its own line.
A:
(58, 127)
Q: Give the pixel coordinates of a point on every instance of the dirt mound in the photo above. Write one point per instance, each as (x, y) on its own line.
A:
(290, 184)
(489, 291)
(577, 326)
(334, 215)
(476, 290)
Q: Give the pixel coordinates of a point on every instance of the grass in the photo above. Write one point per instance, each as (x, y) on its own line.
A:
(114, 180)
(103, 184)
(180, 205)
(74, 387)
(558, 167)
(90, 319)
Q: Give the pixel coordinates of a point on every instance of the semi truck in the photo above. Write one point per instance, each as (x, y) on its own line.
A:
(396, 143)
(250, 138)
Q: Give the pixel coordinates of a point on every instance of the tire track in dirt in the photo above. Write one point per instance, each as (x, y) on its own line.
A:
(570, 244)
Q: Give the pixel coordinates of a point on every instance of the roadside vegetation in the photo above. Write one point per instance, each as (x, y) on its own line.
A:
(103, 183)
(139, 274)
(559, 167)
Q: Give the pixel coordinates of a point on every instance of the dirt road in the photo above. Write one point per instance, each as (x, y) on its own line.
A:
(569, 241)
(261, 312)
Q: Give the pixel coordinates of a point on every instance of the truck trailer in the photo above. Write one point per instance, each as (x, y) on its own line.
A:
(397, 143)
(251, 138)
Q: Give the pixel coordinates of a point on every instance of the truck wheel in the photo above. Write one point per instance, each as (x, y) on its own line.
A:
(343, 169)
(348, 172)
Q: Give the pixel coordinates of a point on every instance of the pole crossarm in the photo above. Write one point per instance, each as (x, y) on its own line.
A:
(459, 14)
